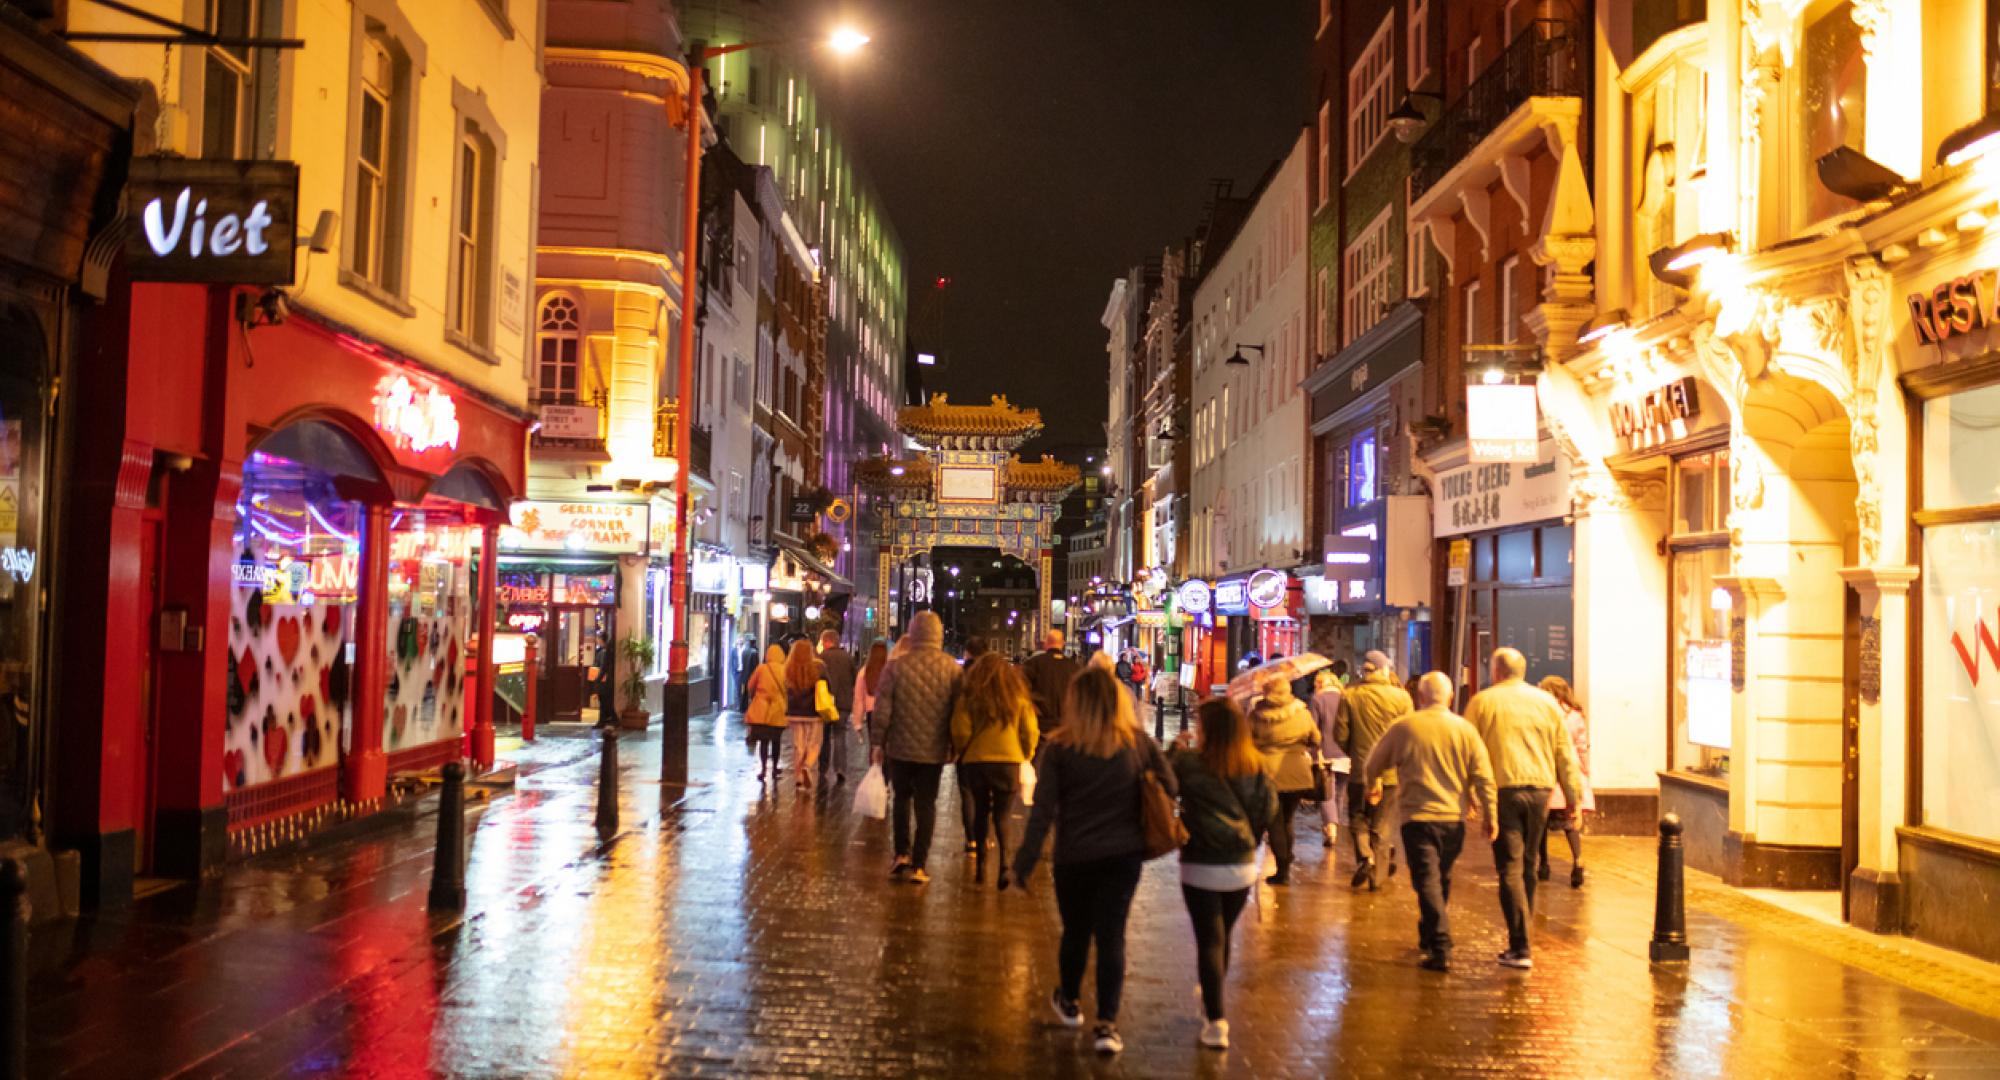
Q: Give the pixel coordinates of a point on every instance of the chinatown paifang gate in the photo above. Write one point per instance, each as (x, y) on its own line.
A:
(968, 490)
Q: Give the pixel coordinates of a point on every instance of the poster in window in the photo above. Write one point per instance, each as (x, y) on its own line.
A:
(1706, 665)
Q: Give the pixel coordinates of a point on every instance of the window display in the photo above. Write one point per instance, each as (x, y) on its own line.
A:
(20, 574)
(430, 611)
(1961, 617)
(1702, 710)
(291, 623)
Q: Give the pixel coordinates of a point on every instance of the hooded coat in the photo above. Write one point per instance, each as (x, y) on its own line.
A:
(914, 700)
(1285, 734)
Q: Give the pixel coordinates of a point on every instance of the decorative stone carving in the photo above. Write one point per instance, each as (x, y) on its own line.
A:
(1871, 659)
(1868, 314)
(1872, 16)
(1604, 490)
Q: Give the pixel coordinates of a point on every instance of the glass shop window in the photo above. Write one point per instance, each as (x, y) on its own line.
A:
(21, 471)
(430, 612)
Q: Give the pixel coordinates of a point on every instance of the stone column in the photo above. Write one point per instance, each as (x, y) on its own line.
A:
(1882, 720)
(365, 768)
(1752, 600)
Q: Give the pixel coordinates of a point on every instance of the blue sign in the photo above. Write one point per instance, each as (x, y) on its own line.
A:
(1232, 598)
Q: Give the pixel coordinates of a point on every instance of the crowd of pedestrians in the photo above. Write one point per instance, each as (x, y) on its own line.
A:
(1401, 770)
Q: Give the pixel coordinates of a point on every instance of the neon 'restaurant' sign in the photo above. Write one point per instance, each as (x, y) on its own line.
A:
(419, 419)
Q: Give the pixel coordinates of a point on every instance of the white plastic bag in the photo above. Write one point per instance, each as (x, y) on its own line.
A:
(871, 799)
(1027, 783)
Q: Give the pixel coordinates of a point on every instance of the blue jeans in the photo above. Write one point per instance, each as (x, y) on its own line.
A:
(1429, 849)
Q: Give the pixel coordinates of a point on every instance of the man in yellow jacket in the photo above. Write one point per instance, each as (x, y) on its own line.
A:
(1531, 753)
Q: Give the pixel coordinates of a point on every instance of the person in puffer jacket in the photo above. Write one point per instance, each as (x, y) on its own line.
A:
(911, 731)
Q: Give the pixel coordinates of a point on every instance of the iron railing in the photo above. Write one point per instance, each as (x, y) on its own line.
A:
(1546, 60)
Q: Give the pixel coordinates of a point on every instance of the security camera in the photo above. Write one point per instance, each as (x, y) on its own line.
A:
(321, 240)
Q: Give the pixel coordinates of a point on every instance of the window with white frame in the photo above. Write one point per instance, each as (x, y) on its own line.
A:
(558, 341)
(1368, 93)
(229, 77)
(1417, 42)
(383, 109)
(1469, 312)
(470, 317)
(1325, 153)
(1510, 272)
(1324, 331)
(372, 166)
(1365, 268)
(1417, 259)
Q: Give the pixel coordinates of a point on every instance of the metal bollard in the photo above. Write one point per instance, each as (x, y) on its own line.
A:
(531, 671)
(14, 913)
(607, 786)
(1670, 943)
(448, 874)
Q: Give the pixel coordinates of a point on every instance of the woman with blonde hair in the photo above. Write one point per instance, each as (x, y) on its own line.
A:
(1562, 815)
(993, 732)
(1287, 737)
(804, 677)
(764, 711)
(867, 682)
(1088, 791)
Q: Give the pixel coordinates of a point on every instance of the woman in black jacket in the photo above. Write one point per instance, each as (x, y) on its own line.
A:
(1228, 803)
(1088, 791)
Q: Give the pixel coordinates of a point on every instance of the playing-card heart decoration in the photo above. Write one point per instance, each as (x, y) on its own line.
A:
(288, 639)
(330, 622)
(275, 742)
(232, 768)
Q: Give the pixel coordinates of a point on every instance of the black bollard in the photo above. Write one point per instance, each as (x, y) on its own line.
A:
(448, 875)
(14, 912)
(1670, 940)
(607, 786)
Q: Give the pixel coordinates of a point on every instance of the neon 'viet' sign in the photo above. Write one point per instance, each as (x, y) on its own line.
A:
(421, 420)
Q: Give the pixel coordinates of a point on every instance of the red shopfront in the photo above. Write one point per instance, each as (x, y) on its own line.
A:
(294, 603)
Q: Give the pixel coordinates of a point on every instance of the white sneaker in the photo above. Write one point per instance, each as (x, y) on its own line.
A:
(1107, 1041)
(1215, 1034)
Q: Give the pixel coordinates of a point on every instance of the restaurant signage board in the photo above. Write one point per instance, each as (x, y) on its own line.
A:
(212, 222)
(600, 527)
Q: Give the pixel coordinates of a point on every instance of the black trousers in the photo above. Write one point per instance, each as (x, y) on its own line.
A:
(1094, 898)
(1214, 916)
(1524, 820)
(1364, 829)
(915, 784)
(1281, 829)
(1429, 849)
(989, 786)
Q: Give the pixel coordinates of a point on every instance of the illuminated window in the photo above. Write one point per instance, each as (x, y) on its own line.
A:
(1368, 94)
(1833, 103)
(558, 340)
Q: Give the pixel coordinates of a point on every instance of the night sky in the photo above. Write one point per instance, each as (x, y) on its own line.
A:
(1032, 150)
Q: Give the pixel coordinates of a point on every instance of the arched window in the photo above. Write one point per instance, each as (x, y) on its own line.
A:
(558, 339)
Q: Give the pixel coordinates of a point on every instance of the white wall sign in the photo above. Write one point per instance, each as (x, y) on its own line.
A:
(1501, 422)
(513, 302)
(569, 422)
(1473, 498)
(612, 528)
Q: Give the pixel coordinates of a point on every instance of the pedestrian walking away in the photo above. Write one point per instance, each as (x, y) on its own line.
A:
(1564, 817)
(912, 735)
(1444, 772)
(1366, 711)
(808, 703)
(1286, 736)
(1228, 804)
(1325, 706)
(764, 711)
(1529, 746)
(993, 733)
(1088, 793)
(867, 682)
(839, 665)
(1049, 674)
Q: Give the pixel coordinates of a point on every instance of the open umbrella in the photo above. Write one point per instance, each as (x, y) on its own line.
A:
(1290, 668)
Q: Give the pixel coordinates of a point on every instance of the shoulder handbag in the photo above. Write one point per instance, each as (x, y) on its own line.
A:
(1158, 819)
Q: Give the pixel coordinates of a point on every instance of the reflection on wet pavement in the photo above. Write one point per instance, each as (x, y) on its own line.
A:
(735, 930)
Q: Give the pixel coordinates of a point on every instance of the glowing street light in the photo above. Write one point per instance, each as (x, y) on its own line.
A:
(847, 41)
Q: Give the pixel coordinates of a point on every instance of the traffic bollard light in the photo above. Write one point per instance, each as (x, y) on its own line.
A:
(448, 874)
(1670, 943)
(607, 786)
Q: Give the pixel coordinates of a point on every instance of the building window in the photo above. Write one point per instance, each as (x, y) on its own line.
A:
(1368, 94)
(1361, 475)
(1469, 313)
(1833, 103)
(372, 167)
(558, 341)
(226, 81)
(1325, 330)
(472, 241)
(1509, 271)
(1417, 259)
(387, 56)
(1472, 58)
(1700, 696)
(1325, 191)
(1366, 270)
(1417, 43)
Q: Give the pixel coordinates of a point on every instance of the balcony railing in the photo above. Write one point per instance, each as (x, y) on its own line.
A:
(666, 430)
(1546, 60)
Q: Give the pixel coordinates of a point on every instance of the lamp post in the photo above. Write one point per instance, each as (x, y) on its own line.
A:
(673, 741)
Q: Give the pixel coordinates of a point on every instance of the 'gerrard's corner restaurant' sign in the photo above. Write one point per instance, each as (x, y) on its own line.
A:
(1474, 498)
(607, 528)
(212, 222)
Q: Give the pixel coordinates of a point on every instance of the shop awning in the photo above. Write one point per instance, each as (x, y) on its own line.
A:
(810, 563)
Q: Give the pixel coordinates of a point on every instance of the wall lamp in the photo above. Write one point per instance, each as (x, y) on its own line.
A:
(1603, 326)
(1237, 359)
(1849, 172)
(1676, 265)
(1407, 122)
(1974, 140)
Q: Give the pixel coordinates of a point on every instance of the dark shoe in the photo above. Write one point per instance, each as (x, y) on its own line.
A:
(1436, 961)
(1281, 878)
(900, 867)
(1067, 1011)
(1576, 877)
(1542, 872)
(1517, 959)
(1392, 868)
(1003, 882)
(1363, 874)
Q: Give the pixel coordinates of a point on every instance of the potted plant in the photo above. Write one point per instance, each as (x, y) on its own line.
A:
(637, 652)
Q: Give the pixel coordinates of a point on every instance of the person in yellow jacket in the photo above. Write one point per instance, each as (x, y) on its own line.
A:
(993, 732)
(764, 711)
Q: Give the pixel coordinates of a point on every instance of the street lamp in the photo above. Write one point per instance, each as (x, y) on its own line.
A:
(673, 744)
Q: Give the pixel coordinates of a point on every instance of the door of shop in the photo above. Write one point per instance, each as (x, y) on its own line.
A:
(576, 634)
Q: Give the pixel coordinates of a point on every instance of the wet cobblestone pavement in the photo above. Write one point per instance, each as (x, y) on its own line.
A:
(730, 930)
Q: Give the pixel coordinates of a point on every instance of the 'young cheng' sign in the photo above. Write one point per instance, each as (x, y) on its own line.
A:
(212, 222)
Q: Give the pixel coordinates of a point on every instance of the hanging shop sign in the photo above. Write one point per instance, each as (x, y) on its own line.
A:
(1151, 620)
(1195, 596)
(212, 222)
(1473, 498)
(1348, 558)
(610, 528)
(1955, 308)
(1658, 416)
(756, 576)
(802, 509)
(1267, 588)
(710, 576)
(419, 419)
(568, 422)
(1232, 597)
(1501, 423)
